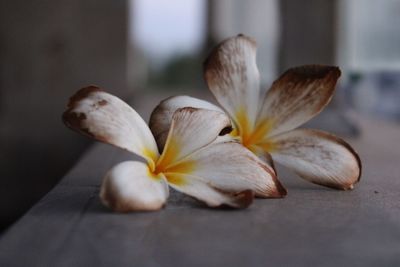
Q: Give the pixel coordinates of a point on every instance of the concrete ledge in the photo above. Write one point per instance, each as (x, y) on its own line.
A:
(312, 226)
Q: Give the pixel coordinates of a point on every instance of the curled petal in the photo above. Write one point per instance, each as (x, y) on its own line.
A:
(265, 157)
(319, 157)
(228, 167)
(106, 118)
(232, 76)
(161, 117)
(212, 196)
(129, 186)
(297, 96)
(191, 129)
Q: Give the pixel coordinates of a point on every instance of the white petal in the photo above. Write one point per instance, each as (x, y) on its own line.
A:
(229, 167)
(107, 118)
(232, 76)
(129, 186)
(319, 157)
(297, 96)
(204, 191)
(161, 117)
(265, 157)
(191, 129)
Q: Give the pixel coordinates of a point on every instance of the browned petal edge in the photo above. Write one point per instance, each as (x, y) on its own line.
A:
(157, 114)
(313, 72)
(281, 190)
(268, 158)
(159, 109)
(81, 94)
(188, 109)
(226, 127)
(242, 199)
(75, 120)
(327, 75)
(338, 141)
(213, 65)
(109, 199)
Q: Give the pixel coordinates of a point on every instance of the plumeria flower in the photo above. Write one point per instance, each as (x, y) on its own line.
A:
(217, 173)
(268, 127)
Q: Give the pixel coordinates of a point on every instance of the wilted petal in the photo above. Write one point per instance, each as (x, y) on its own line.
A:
(297, 96)
(228, 167)
(204, 191)
(191, 129)
(232, 76)
(161, 117)
(129, 186)
(265, 157)
(317, 156)
(106, 118)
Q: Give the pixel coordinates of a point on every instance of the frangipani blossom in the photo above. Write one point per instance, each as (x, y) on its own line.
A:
(269, 128)
(217, 173)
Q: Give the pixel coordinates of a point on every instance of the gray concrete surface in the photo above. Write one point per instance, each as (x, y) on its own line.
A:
(312, 226)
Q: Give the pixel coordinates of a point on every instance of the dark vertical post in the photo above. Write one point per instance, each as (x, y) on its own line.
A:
(49, 49)
(308, 32)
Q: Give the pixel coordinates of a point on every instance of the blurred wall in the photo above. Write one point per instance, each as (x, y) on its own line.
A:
(288, 32)
(308, 34)
(258, 19)
(48, 50)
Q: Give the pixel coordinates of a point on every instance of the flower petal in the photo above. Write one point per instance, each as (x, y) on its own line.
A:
(228, 167)
(161, 117)
(106, 118)
(265, 157)
(232, 76)
(129, 186)
(297, 96)
(191, 129)
(214, 197)
(319, 157)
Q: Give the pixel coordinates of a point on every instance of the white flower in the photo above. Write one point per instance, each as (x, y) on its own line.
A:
(192, 162)
(268, 127)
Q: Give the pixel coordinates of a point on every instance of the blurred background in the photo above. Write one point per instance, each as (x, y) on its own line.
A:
(146, 50)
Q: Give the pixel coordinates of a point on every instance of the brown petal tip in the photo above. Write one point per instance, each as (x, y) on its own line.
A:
(325, 75)
(81, 94)
(229, 45)
(336, 186)
(281, 190)
(240, 200)
(75, 120)
(110, 199)
(313, 85)
(314, 72)
(244, 199)
(339, 141)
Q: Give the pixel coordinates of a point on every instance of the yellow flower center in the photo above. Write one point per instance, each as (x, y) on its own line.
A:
(253, 136)
(168, 165)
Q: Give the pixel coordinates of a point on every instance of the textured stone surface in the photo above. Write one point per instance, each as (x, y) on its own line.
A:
(312, 226)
